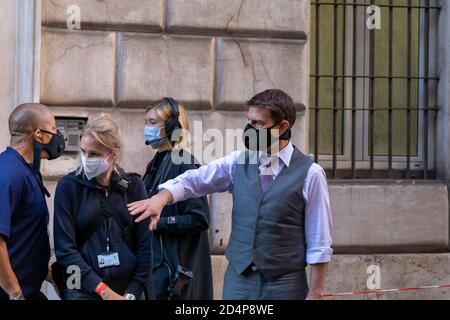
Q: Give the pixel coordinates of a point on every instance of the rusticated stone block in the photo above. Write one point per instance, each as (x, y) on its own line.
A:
(134, 15)
(152, 67)
(246, 67)
(281, 18)
(77, 68)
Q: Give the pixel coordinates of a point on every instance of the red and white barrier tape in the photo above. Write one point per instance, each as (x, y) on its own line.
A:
(383, 291)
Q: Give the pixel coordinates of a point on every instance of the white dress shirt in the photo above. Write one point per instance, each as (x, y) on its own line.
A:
(218, 177)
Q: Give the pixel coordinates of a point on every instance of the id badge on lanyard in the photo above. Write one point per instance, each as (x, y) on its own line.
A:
(109, 258)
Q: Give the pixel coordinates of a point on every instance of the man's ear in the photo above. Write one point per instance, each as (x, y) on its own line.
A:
(284, 126)
(38, 136)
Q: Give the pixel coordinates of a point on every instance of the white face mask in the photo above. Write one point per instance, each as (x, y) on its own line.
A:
(93, 167)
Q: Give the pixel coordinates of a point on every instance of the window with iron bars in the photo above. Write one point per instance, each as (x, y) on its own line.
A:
(373, 92)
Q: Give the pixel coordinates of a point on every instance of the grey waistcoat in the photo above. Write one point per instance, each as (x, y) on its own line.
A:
(268, 229)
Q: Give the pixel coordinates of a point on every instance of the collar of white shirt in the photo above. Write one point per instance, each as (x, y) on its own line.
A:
(284, 155)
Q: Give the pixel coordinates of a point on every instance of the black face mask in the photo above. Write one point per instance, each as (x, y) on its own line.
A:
(56, 147)
(261, 139)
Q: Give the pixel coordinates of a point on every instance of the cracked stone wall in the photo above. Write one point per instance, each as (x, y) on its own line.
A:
(6, 68)
(211, 55)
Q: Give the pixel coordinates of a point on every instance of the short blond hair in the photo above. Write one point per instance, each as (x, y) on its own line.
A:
(106, 132)
(165, 111)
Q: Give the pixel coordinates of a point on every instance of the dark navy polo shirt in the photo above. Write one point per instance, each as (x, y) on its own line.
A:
(24, 221)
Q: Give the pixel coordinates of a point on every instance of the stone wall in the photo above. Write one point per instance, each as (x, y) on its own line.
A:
(351, 273)
(370, 217)
(7, 42)
(210, 55)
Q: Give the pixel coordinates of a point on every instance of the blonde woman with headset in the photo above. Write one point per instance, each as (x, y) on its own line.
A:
(181, 253)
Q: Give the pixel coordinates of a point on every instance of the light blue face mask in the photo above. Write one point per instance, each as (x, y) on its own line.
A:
(153, 137)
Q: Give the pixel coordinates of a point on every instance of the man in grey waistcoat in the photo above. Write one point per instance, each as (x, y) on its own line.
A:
(281, 219)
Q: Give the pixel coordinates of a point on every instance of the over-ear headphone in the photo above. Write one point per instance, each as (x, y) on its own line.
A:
(173, 124)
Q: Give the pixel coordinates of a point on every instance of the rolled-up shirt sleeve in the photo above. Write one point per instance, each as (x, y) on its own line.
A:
(318, 219)
(217, 176)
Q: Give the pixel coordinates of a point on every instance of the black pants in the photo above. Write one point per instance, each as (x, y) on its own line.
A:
(80, 295)
(84, 295)
(36, 297)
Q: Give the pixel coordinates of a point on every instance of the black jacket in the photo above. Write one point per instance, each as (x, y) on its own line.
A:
(78, 204)
(183, 228)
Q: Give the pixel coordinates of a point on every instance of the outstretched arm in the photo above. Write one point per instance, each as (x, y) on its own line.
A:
(215, 177)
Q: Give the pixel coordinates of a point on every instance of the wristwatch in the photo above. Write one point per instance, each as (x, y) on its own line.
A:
(17, 298)
(129, 296)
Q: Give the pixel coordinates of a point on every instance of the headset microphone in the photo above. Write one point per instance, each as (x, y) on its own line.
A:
(149, 142)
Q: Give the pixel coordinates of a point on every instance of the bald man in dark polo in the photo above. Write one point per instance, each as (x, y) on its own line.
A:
(24, 241)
